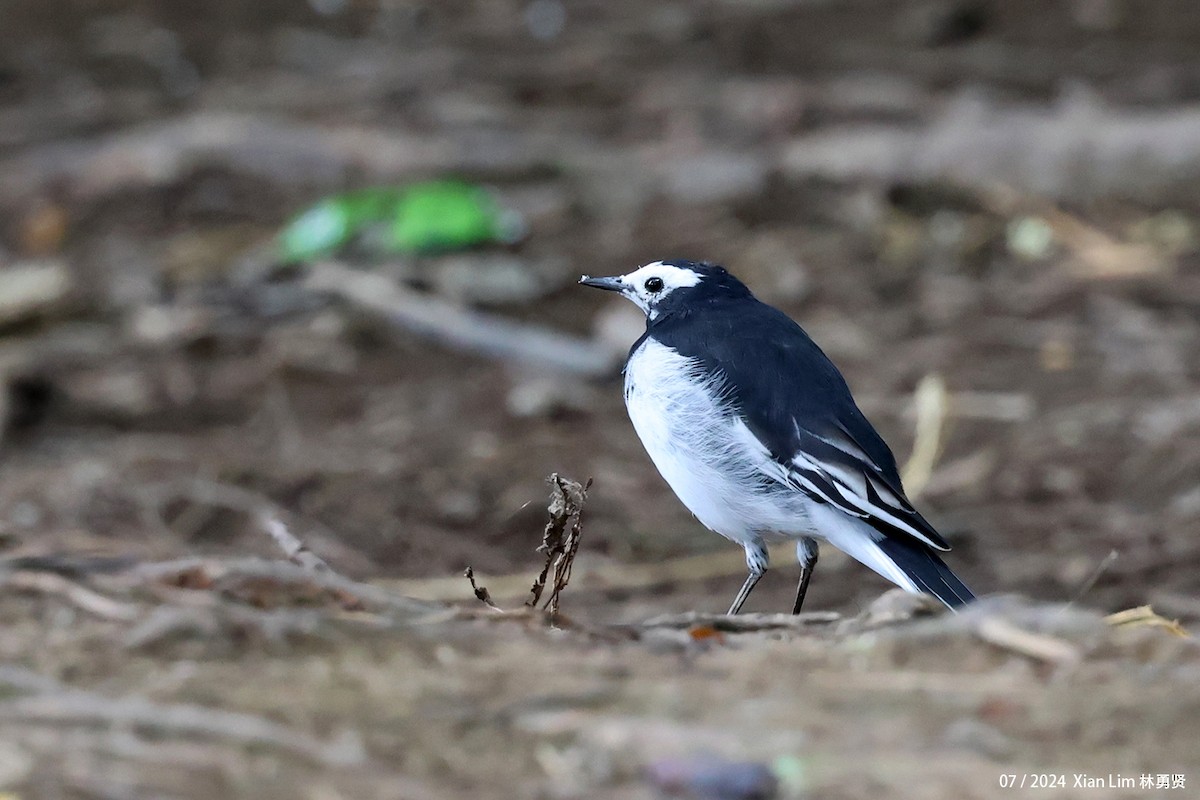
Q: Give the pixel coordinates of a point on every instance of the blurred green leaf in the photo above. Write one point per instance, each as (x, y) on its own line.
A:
(425, 217)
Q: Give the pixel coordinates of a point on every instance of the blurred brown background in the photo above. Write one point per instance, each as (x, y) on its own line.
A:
(1002, 194)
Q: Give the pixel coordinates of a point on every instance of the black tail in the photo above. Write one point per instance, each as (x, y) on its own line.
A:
(926, 569)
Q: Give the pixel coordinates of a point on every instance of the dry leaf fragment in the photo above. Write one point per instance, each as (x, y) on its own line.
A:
(705, 633)
(481, 592)
(1144, 616)
(560, 540)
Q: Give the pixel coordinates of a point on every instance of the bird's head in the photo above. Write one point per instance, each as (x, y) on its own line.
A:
(665, 286)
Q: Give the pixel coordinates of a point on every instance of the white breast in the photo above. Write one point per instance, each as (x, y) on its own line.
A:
(708, 456)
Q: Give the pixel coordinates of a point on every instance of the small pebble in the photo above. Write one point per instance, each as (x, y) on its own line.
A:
(545, 19)
(714, 778)
(1030, 238)
(31, 288)
(971, 734)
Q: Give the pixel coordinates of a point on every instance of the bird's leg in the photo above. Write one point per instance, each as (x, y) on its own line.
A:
(806, 554)
(756, 562)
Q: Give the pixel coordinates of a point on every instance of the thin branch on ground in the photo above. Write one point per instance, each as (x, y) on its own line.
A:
(85, 708)
(1098, 255)
(455, 326)
(1087, 585)
(296, 551)
(26, 680)
(156, 153)
(932, 405)
(240, 622)
(265, 512)
(206, 492)
(607, 576)
(1001, 633)
(742, 623)
(80, 596)
(229, 574)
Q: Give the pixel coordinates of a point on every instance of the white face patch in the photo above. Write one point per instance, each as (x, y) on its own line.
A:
(642, 286)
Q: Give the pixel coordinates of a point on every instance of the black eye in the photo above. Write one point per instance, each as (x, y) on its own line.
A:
(654, 284)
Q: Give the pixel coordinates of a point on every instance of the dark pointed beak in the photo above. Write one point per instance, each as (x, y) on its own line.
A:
(611, 284)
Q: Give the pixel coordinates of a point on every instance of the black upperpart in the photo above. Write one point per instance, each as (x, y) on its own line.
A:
(796, 403)
(716, 284)
(715, 278)
(774, 372)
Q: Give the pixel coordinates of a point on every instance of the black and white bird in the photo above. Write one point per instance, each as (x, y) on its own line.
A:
(755, 430)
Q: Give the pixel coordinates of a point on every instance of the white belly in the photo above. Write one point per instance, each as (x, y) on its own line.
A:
(706, 454)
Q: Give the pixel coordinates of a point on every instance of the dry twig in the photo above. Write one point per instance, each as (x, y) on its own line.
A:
(742, 623)
(85, 708)
(205, 492)
(1001, 633)
(232, 574)
(26, 680)
(296, 551)
(80, 596)
(560, 539)
(602, 577)
(265, 512)
(233, 621)
(932, 406)
(1097, 254)
(156, 153)
(481, 592)
(1087, 585)
(455, 326)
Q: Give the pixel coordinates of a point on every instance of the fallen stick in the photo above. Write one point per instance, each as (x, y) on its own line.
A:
(461, 328)
(606, 577)
(157, 153)
(266, 512)
(189, 756)
(203, 491)
(1100, 569)
(296, 551)
(26, 680)
(932, 409)
(85, 708)
(1001, 633)
(1097, 254)
(81, 597)
(741, 623)
(230, 620)
(914, 681)
(211, 571)
(1077, 148)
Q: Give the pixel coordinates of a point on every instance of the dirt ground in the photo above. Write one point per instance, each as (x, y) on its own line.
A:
(995, 198)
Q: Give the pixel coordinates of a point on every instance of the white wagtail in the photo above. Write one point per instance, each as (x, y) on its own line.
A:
(756, 432)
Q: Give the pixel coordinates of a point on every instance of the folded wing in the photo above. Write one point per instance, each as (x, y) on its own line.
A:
(832, 468)
(797, 405)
